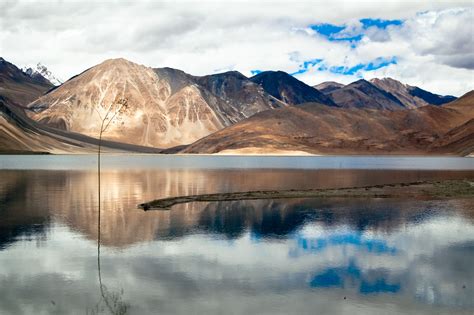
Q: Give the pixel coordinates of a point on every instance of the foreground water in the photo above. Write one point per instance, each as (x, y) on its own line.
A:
(308, 256)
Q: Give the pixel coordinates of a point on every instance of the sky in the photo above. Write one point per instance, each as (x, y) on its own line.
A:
(429, 44)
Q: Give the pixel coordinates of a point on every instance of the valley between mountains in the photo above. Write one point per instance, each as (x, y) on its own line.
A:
(170, 111)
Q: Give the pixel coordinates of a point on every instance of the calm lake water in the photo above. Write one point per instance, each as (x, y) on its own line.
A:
(295, 256)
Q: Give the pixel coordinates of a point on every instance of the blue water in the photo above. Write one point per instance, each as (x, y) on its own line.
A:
(233, 162)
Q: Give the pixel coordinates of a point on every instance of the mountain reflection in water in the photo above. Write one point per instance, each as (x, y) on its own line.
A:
(279, 256)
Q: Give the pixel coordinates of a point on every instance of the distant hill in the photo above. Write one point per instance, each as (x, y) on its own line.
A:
(19, 87)
(360, 94)
(411, 96)
(328, 86)
(288, 89)
(320, 129)
(41, 72)
(363, 94)
(461, 138)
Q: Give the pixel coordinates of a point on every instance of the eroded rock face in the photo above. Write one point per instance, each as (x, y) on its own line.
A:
(166, 107)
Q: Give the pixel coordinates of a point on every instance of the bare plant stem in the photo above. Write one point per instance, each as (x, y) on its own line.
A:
(103, 128)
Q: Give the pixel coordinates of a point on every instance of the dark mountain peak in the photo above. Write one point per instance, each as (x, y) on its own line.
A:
(224, 76)
(429, 97)
(289, 89)
(328, 86)
(7, 65)
(368, 88)
(176, 78)
(272, 74)
(18, 86)
(232, 73)
(410, 96)
(364, 94)
(361, 82)
(169, 70)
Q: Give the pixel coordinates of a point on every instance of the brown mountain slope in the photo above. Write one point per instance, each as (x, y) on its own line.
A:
(166, 107)
(464, 104)
(20, 134)
(459, 140)
(316, 129)
(363, 94)
(410, 96)
(19, 87)
(328, 86)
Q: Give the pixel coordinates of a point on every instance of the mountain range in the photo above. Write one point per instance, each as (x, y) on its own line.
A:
(172, 111)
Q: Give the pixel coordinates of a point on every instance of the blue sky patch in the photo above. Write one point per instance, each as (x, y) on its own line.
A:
(379, 286)
(380, 63)
(373, 65)
(379, 23)
(327, 29)
(304, 67)
(329, 278)
(332, 31)
(255, 72)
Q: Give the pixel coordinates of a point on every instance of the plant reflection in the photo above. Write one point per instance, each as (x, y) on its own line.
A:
(110, 301)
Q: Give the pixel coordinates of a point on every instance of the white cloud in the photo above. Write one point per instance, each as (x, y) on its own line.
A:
(434, 48)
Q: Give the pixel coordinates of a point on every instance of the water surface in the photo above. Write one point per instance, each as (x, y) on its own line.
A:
(297, 256)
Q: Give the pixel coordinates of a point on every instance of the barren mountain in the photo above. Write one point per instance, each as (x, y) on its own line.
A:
(18, 133)
(240, 92)
(458, 140)
(328, 86)
(316, 129)
(461, 138)
(19, 87)
(21, 134)
(464, 104)
(363, 94)
(166, 107)
(410, 96)
(288, 89)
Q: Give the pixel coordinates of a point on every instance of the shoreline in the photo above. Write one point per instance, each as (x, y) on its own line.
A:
(420, 190)
(362, 154)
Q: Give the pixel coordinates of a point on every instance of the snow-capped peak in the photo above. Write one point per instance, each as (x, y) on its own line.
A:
(43, 71)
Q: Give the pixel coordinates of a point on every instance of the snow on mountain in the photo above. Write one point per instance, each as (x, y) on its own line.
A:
(42, 70)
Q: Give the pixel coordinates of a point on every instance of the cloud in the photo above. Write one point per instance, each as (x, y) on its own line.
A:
(447, 35)
(205, 37)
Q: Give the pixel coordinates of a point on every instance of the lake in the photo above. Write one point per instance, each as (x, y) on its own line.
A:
(289, 256)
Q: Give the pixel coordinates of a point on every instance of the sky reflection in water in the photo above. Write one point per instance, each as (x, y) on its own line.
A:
(261, 257)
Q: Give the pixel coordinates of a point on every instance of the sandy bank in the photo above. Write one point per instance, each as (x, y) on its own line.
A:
(443, 189)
